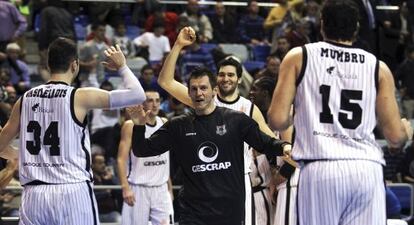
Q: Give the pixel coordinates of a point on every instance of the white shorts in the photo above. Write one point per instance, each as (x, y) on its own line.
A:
(286, 209)
(263, 208)
(152, 204)
(345, 192)
(62, 204)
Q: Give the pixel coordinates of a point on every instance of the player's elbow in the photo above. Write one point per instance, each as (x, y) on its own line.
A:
(396, 139)
(276, 122)
(162, 81)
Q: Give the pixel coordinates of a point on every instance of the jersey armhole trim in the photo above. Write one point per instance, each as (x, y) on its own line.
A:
(21, 105)
(304, 62)
(376, 75)
(72, 109)
(251, 109)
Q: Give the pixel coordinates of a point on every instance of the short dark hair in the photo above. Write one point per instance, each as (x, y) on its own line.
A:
(97, 24)
(267, 84)
(200, 72)
(340, 19)
(146, 67)
(62, 51)
(229, 61)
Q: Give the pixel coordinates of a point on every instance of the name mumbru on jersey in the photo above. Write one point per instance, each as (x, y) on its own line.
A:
(208, 152)
(46, 93)
(342, 56)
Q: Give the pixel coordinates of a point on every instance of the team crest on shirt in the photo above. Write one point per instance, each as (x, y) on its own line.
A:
(221, 130)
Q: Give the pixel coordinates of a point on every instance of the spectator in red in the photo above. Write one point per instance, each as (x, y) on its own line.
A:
(170, 22)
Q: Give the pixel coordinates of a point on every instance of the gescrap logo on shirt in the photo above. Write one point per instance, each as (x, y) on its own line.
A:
(208, 153)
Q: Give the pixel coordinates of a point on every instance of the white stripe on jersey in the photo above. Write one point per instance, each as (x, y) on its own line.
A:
(54, 145)
(338, 87)
(244, 105)
(150, 171)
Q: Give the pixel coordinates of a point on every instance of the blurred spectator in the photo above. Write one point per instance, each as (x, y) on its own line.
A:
(407, 172)
(141, 10)
(55, 22)
(12, 198)
(11, 95)
(107, 201)
(198, 21)
(367, 37)
(279, 18)
(261, 93)
(170, 22)
(394, 158)
(194, 56)
(272, 68)
(105, 12)
(393, 205)
(12, 23)
(123, 41)
(172, 107)
(283, 46)
(398, 35)
(90, 56)
(299, 34)
(405, 83)
(148, 81)
(18, 70)
(103, 126)
(312, 15)
(156, 42)
(250, 26)
(224, 25)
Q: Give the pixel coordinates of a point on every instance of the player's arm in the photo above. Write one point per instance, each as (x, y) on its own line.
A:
(133, 94)
(166, 77)
(123, 155)
(261, 142)
(159, 142)
(279, 111)
(9, 132)
(170, 188)
(7, 173)
(258, 117)
(396, 130)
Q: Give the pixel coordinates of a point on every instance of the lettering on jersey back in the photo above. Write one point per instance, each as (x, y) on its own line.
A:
(46, 93)
(342, 56)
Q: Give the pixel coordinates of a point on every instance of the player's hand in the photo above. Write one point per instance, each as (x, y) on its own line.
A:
(12, 164)
(128, 196)
(287, 150)
(186, 37)
(138, 115)
(408, 128)
(115, 58)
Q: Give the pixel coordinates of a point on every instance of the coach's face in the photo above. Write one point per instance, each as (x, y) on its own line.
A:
(227, 80)
(202, 94)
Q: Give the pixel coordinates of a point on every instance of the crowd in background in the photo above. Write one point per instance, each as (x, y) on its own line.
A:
(147, 29)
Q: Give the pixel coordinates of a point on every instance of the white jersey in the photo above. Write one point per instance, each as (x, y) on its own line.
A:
(335, 104)
(150, 171)
(54, 145)
(244, 105)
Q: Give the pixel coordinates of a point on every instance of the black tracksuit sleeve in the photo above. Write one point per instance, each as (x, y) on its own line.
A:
(260, 141)
(159, 142)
